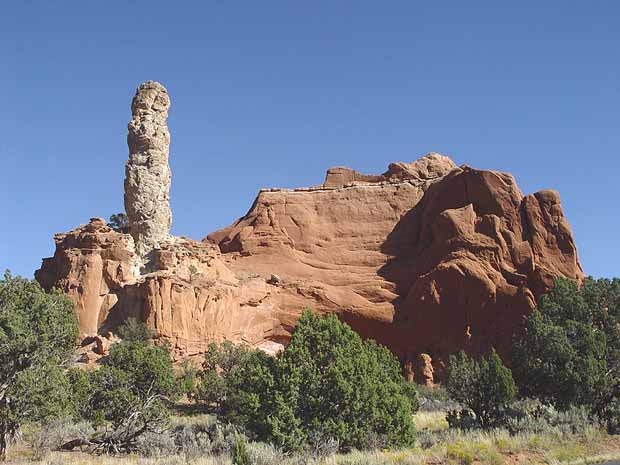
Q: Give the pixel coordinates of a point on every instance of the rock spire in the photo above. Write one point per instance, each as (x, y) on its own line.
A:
(147, 172)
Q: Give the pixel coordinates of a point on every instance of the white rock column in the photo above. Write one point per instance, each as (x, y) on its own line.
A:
(147, 172)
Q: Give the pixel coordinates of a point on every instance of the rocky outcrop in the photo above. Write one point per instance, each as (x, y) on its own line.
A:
(427, 258)
(429, 261)
(430, 166)
(470, 260)
(194, 298)
(92, 263)
(147, 173)
(420, 370)
(93, 349)
(191, 299)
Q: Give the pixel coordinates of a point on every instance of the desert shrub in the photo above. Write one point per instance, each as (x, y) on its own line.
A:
(260, 453)
(428, 439)
(431, 421)
(148, 368)
(186, 379)
(152, 444)
(461, 452)
(533, 416)
(222, 438)
(328, 383)
(133, 330)
(127, 397)
(192, 440)
(193, 273)
(474, 448)
(434, 399)
(51, 435)
(485, 387)
(217, 377)
(119, 222)
(529, 416)
(320, 447)
(567, 453)
(37, 336)
(240, 452)
(569, 353)
(204, 438)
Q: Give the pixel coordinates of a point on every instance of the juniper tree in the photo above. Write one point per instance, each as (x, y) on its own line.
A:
(38, 331)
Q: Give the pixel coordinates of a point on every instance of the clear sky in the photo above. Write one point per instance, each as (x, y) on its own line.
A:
(272, 93)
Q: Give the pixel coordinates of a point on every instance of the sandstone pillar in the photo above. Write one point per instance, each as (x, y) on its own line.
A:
(147, 173)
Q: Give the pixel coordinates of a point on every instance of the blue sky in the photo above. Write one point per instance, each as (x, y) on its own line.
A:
(273, 93)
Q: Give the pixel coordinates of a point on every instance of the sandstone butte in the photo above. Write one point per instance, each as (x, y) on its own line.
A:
(427, 258)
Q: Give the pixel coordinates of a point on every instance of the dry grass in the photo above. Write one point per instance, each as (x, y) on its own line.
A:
(71, 458)
(451, 447)
(430, 421)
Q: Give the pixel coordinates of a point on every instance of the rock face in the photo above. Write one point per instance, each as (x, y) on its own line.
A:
(470, 260)
(147, 173)
(431, 166)
(427, 258)
(324, 243)
(191, 300)
(92, 264)
(194, 298)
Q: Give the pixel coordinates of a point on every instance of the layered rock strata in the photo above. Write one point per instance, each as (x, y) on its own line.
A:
(147, 172)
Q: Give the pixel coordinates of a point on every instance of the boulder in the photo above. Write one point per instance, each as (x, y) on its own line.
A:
(102, 345)
(423, 370)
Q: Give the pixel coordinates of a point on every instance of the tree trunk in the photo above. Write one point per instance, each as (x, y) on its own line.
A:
(70, 445)
(3, 445)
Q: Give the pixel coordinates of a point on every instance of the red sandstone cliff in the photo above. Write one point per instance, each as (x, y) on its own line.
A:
(425, 258)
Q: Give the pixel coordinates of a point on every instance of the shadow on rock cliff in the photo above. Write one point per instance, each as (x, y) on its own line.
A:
(470, 260)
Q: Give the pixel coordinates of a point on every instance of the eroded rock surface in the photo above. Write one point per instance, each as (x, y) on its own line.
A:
(91, 265)
(430, 166)
(470, 260)
(192, 298)
(147, 172)
(426, 258)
